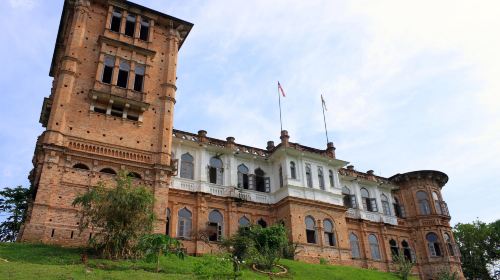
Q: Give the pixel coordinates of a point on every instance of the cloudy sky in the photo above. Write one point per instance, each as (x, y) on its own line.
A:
(409, 85)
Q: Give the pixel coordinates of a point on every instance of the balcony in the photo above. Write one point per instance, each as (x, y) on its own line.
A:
(371, 216)
(124, 93)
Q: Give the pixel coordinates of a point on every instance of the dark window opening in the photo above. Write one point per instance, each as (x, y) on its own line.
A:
(309, 176)
(330, 177)
(321, 178)
(132, 117)
(310, 230)
(144, 33)
(262, 223)
(107, 74)
(330, 238)
(213, 175)
(406, 251)
(108, 171)
(139, 80)
(215, 171)
(394, 248)
(167, 223)
(100, 110)
(81, 166)
(134, 175)
(260, 180)
(433, 243)
(130, 25)
(329, 234)
(117, 110)
(71, 235)
(116, 20)
(214, 229)
(52, 234)
(293, 172)
(243, 176)
(122, 78)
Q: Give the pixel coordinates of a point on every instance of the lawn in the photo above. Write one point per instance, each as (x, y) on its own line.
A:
(36, 261)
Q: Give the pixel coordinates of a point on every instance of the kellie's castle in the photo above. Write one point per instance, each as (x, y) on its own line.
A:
(111, 108)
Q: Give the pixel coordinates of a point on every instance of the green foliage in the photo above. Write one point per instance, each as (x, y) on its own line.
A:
(262, 246)
(215, 267)
(323, 261)
(446, 274)
(14, 203)
(403, 265)
(479, 245)
(156, 245)
(290, 251)
(118, 216)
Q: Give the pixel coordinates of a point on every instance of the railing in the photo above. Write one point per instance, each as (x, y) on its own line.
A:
(371, 216)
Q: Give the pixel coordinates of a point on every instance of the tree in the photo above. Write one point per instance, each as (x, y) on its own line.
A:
(156, 245)
(118, 216)
(13, 202)
(479, 245)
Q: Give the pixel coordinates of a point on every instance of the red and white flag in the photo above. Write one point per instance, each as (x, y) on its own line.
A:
(280, 89)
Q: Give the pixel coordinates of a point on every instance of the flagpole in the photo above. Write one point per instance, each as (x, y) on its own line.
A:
(279, 103)
(324, 118)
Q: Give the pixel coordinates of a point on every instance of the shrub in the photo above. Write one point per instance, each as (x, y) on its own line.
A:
(268, 245)
(323, 261)
(118, 216)
(403, 265)
(156, 245)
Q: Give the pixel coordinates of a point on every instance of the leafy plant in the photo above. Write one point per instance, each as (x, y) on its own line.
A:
(268, 244)
(118, 216)
(156, 245)
(13, 202)
(446, 274)
(323, 261)
(403, 265)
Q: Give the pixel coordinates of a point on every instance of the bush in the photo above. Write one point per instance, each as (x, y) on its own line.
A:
(156, 245)
(403, 265)
(323, 261)
(118, 216)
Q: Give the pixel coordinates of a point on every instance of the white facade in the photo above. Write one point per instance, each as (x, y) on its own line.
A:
(270, 162)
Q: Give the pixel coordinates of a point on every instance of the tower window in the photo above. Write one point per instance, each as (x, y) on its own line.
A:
(348, 198)
(423, 203)
(215, 171)
(144, 33)
(242, 176)
(385, 205)
(293, 172)
(107, 73)
(117, 110)
(330, 177)
(433, 244)
(309, 176)
(123, 74)
(369, 204)
(139, 78)
(130, 25)
(116, 20)
(321, 178)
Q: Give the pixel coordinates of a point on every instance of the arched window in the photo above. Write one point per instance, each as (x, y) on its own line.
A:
(433, 243)
(369, 204)
(185, 222)
(215, 171)
(167, 222)
(309, 176)
(355, 252)
(81, 166)
(215, 223)
(329, 233)
(310, 230)
(244, 222)
(449, 244)
(423, 203)
(399, 209)
(262, 223)
(242, 176)
(330, 178)
(262, 183)
(437, 203)
(108, 171)
(293, 171)
(187, 166)
(348, 198)
(321, 178)
(374, 249)
(407, 251)
(134, 175)
(394, 248)
(385, 205)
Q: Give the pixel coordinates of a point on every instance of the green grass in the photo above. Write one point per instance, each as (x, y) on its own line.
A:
(36, 261)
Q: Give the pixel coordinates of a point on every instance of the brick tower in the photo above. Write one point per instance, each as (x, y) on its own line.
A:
(110, 108)
(428, 219)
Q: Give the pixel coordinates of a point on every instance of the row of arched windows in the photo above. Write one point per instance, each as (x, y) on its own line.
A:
(107, 170)
(309, 181)
(375, 248)
(424, 204)
(215, 226)
(369, 203)
(328, 231)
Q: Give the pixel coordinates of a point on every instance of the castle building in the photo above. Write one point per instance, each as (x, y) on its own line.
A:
(111, 108)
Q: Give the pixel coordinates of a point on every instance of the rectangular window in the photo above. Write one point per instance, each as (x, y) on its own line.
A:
(139, 78)
(330, 240)
(373, 205)
(144, 33)
(311, 236)
(132, 116)
(117, 110)
(130, 25)
(123, 74)
(116, 20)
(107, 73)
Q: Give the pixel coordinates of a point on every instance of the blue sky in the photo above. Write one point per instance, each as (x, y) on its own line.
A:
(408, 85)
